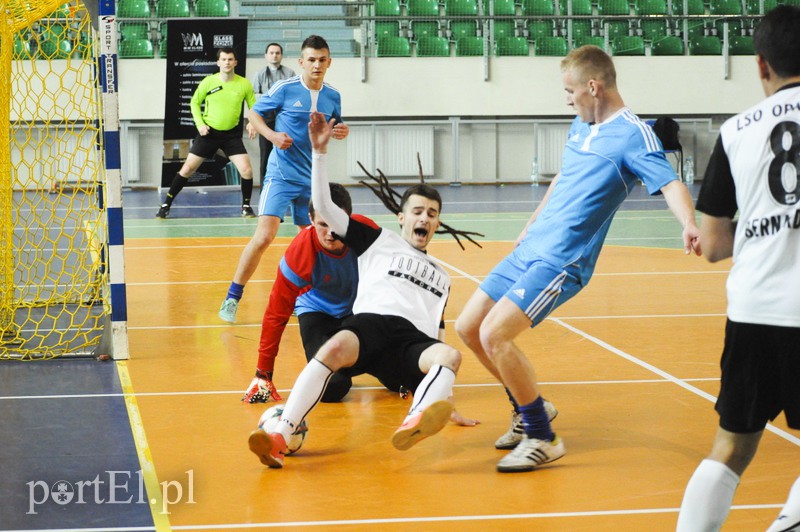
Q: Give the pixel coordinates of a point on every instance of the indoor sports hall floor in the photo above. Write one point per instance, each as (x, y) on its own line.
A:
(160, 441)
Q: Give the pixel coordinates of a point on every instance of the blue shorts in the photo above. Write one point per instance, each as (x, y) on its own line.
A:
(536, 287)
(278, 194)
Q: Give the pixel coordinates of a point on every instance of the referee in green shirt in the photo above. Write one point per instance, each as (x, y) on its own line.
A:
(218, 128)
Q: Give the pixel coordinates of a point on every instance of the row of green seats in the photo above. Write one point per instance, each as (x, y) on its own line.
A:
(577, 7)
(559, 46)
(172, 8)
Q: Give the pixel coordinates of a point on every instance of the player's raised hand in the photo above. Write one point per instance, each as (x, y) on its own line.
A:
(320, 131)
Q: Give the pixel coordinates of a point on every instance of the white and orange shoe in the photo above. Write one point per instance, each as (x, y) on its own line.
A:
(269, 447)
(426, 423)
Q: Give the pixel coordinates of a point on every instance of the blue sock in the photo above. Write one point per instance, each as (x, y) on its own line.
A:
(513, 401)
(534, 419)
(235, 291)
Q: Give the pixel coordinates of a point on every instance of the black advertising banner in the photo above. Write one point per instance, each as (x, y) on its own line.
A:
(192, 45)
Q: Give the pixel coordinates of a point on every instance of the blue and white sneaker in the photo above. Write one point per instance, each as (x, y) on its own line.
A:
(227, 312)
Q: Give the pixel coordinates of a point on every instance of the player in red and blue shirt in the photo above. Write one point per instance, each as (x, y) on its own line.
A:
(317, 279)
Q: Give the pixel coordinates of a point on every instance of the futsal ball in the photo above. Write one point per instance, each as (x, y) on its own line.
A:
(269, 422)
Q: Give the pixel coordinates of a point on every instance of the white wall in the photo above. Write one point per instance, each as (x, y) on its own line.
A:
(439, 88)
(517, 86)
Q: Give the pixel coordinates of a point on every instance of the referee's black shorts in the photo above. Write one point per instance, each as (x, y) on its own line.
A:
(390, 349)
(760, 376)
(230, 142)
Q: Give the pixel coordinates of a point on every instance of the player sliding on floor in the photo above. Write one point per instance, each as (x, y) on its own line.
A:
(397, 333)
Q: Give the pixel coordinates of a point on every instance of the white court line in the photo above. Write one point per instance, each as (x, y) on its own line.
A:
(361, 388)
(445, 519)
(682, 383)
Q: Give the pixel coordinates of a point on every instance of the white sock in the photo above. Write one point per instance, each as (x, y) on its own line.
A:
(436, 386)
(789, 518)
(708, 497)
(306, 393)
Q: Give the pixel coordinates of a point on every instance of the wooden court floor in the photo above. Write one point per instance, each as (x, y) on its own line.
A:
(631, 364)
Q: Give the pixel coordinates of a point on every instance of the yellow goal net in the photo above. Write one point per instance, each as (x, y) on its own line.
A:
(54, 287)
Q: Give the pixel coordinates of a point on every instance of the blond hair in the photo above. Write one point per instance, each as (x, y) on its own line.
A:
(591, 62)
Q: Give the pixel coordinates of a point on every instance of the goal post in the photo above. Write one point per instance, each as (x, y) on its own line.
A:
(62, 275)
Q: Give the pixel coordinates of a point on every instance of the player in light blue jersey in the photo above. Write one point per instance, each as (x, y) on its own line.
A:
(287, 183)
(608, 149)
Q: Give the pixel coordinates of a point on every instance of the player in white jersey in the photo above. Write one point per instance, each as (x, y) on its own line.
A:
(607, 151)
(396, 327)
(755, 170)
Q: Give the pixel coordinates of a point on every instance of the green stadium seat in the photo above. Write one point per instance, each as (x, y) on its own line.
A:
(727, 7)
(653, 28)
(460, 8)
(212, 8)
(606, 8)
(706, 45)
(394, 47)
(504, 28)
(22, 46)
(753, 7)
(133, 9)
(693, 7)
(650, 7)
(511, 46)
(387, 29)
(669, 45)
(538, 8)
(578, 7)
(540, 28)
(387, 8)
(134, 30)
(627, 45)
(62, 11)
(504, 7)
(54, 45)
(424, 29)
(579, 28)
(423, 8)
(469, 46)
(463, 28)
(433, 47)
(587, 40)
(83, 45)
(551, 46)
(740, 45)
(162, 40)
(172, 8)
(136, 49)
(615, 28)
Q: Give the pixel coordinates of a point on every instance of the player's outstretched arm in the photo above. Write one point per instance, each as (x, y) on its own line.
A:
(320, 132)
(680, 203)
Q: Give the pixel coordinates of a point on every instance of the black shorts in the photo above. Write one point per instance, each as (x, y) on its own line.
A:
(229, 141)
(760, 377)
(315, 329)
(390, 349)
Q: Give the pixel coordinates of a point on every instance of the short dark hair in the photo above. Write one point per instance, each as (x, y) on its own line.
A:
(340, 197)
(316, 42)
(273, 44)
(226, 51)
(777, 40)
(424, 190)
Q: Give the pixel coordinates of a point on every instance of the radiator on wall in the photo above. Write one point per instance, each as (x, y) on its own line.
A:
(550, 142)
(392, 150)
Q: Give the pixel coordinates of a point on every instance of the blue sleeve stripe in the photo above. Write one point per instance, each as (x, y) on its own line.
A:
(291, 276)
